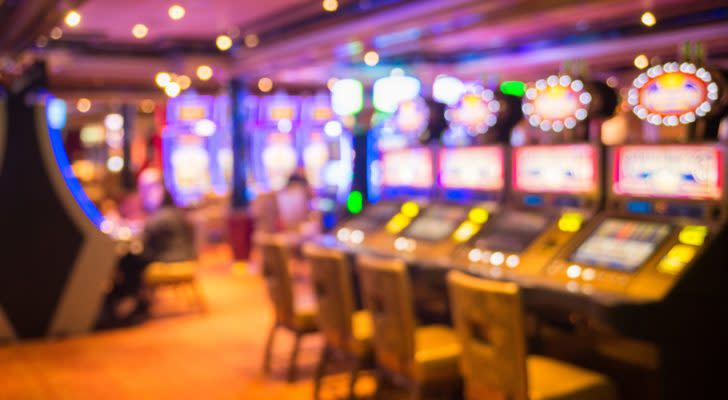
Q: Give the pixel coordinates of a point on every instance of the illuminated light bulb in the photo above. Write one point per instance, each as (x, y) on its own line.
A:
(641, 61)
(139, 31)
(512, 261)
(172, 89)
(475, 255)
(204, 72)
(371, 58)
(573, 271)
(251, 40)
(589, 274)
(72, 19)
(115, 163)
(184, 82)
(333, 129)
(401, 244)
(410, 209)
(343, 234)
(147, 106)
(224, 42)
(648, 19)
(284, 125)
(330, 5)
(114, 122)
(176, 12)
(357, 236)
(56, 33)
(497, 258)
(83, 105)
(204, 127)
(265, 85)
(162, 79)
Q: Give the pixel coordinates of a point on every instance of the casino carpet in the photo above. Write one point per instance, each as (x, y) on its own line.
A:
(175, 355)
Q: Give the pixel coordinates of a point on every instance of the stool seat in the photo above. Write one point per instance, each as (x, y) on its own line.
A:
(549, 379)
(437, 353)
(305, 319)
(162, 273)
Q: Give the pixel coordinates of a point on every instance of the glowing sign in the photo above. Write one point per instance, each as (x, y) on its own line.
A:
(281, 112)
(555, 169)
(673, 94)
(447, 90)
(407, 168)
(347, 97)
(556, 103)
(473, 168)
(389, 91)
(475, 113)
(191, 112)
(687, 172)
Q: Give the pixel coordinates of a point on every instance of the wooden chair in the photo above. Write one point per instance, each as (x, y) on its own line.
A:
(301, 320)
(346, 331)
(488, 319)
(424, 358)
(180, 276)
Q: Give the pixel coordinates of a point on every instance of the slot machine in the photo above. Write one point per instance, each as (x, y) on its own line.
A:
(644, 277)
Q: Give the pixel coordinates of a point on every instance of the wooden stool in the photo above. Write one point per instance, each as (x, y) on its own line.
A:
(176, 275)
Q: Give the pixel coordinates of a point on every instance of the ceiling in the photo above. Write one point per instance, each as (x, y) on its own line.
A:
(301, 46)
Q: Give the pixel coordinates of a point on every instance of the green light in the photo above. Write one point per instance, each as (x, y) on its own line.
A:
(513, 88)
(355, 202)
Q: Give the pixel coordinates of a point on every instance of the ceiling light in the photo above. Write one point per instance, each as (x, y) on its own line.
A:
(251, 40)
(83, 105)
(204, 72)
(72, 19)
(56, 33)
(139, 31)
(330, 5)
(172, 89)
(114, 122)
(176, 12)
(648, 19)
(224, 42)
(265, 85)
(641, 61)
(162, 79)
(147, 106)
(371, 58)
(184, 82)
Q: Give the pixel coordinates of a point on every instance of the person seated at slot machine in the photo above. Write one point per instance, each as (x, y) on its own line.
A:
(167, 237)
(294, 204)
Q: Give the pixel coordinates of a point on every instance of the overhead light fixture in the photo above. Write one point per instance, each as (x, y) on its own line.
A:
(139, 31)
(224, 42)
(83, 105)
(114, 122)
(330, 5)
(73, 18)
(56, 33)
(641, 61)
(172, 89)
(184, 82)
(176, 12)
(204, 72)
(251, 40)
(265, 84)
(162, 79)
(371, 58)
(648, 18)
(147, 106)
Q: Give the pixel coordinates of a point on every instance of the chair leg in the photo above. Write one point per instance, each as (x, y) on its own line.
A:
(269, 349)
(358, 365)
(294, 357)
(320, 369)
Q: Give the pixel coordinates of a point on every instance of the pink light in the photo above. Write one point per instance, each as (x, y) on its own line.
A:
(472, 168)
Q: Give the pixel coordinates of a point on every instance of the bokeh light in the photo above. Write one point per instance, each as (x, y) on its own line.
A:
(648, 19)
(162, 79)
(641, 61)
(251, 40)
(371, 58)
(139, 31)
(330, 5)
(265, 84)
(176, 12)
(204, 72)
(172, 89)
(224, 42)
(73, 18)
(83, 105)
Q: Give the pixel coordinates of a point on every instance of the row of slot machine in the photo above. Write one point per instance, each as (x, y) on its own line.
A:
(618, 248)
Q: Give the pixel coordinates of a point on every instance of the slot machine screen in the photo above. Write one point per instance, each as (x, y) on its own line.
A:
(679, 172)
(621, 244)
(407, 168)
(511, 231)
(436, 223)
(555, 169)
(472, 168)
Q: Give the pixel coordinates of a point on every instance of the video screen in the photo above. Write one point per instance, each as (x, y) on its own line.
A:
(436, 223)
(472, 168)
(621, 244)
(511, 231)
(680, 172)
(555, 169)
(407, 168)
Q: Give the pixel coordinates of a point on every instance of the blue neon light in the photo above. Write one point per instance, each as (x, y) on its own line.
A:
(533, 200)
(639, 207)
(64, 165)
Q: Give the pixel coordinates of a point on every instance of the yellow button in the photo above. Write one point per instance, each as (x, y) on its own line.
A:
(410, 209)
(465, 231)
(478, 215)
(676, 259)
(397, 223)
(571, 222)
(693, 235)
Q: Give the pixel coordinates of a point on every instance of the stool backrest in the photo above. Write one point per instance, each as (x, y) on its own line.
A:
(331, 272)
(276, 255)
(488, 319)
(388, 296)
